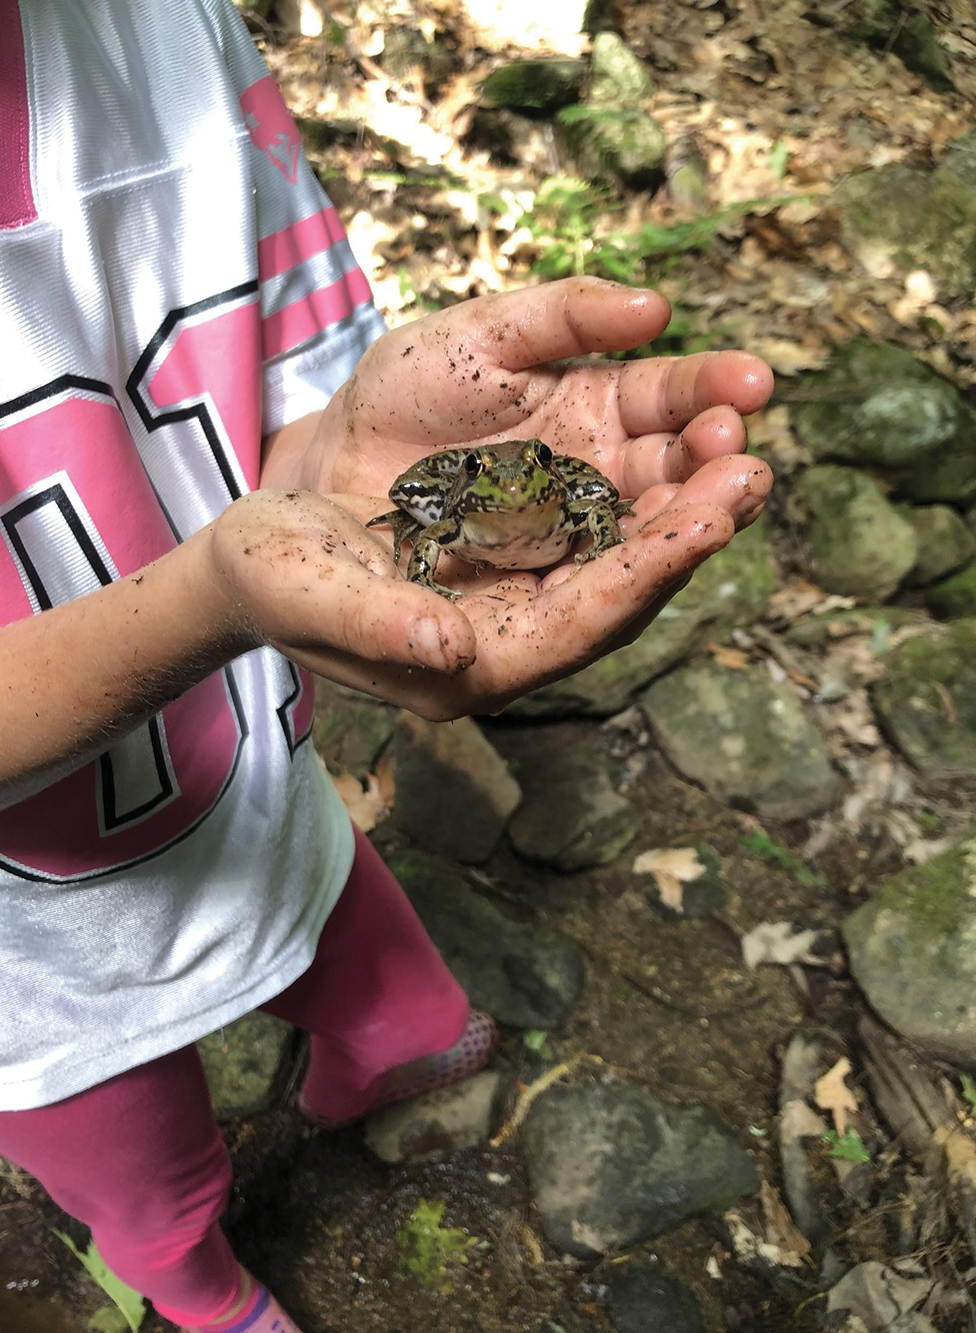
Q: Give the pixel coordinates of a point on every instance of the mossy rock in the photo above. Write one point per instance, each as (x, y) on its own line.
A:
(242, 1063)
(858, 544)
(745, 738)
(608, 142)
(875, 405)
(926, 700)
(912, 950)
(961, 159)
(351, 730)
(945, 543)
(955, 597)
(617, 76)
(897, 219)
(728, 591)
(535, 87)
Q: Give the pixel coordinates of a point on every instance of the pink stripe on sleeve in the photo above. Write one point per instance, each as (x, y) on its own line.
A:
(304, 318)
(17, 205)
(284, 249)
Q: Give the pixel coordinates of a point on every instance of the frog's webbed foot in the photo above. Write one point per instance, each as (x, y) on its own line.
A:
(622, 507)
(600, 521)
(423, 557)
(405, 529)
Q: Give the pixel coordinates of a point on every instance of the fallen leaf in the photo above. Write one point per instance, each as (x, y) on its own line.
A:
(775, 942)
(734, 658)
(781, 1230)
(832, 1094)
(672, 869)
(365, 803)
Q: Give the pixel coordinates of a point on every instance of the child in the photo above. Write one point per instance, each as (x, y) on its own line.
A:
(185, 381)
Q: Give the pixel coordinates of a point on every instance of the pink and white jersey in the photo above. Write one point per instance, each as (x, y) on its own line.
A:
(173, 285)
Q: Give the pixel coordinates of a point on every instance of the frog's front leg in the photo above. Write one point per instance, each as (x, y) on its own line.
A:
(405, 529)
(601, 521)
(426, 549)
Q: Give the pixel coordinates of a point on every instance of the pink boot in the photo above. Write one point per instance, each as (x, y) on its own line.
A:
(471, 1052)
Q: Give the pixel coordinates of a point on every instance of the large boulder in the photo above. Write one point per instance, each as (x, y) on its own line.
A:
(896, 220)
(955, 597)
(535, 87)
(745, 738)
(728, 591)
(926, 700)
(857, 543)
(912, 951)
(945, 542)
(610, 1166)
(877, 406)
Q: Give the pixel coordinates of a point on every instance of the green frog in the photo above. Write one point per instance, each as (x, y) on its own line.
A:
(515, 505)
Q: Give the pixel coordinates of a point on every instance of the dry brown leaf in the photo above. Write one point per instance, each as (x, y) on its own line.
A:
(364, 803)
(775, 942)
(781, 1230)
(733, 658)
(832, 1094)
(672, 869)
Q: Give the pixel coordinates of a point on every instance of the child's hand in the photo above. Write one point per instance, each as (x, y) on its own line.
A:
(485, 370)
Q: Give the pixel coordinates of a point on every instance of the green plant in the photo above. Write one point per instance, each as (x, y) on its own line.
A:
(536, 1040)
(770, 850)
(848, 1147)
(127, 1310)
(968, 1092)
(426, 1250)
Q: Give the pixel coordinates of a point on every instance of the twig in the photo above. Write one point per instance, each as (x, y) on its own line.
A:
(536, 1089)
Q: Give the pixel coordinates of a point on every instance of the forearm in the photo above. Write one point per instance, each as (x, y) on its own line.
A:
(75, 678)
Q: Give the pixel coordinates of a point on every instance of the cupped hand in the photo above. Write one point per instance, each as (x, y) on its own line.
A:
(496, 368)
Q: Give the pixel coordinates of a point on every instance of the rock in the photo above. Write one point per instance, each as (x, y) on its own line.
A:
(454, 793)
(445, 1121)
(642, 1299)
(876, 405)
(610, 1166)
(954, 598)
(572, 816)
(945, 543)
(746, 739)
(814, 631)
(879, 1299)
(897, 219)
(241, 1063)
(857, 542)
(617, 77)
(406, 50)
(892, 25)
(912, 950)
(524, 976)
(961, 159)
(729, 591)
(607, 141)
(537, 87)
(351, 730)
(926, 700)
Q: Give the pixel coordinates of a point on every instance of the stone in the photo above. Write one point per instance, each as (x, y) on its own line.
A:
(537, 87)
(728, 591)
(961, 159)
(945, 543)
(642, 1299)
(875, 405)
(955, 597)
(744, 738)
(857, 543)
(897, 219)
(524, 976)
(621, 142)
(892, 25)
(617, 77)
(817, 630)
(453, 793)
(610, 1166)
(242, 1062)
(926, 700)
(351, 730)
(572, 817)
(438, 1123)
(912, 950)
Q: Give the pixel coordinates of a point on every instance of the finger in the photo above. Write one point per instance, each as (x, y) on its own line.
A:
(666, 393)
(739, 484)
(653, 459)
(379, 619)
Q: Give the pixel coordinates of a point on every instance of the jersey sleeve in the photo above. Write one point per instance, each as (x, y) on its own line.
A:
(317, 311)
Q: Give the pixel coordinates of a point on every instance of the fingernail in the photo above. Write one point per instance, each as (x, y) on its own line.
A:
(747, 508)
(426, 638)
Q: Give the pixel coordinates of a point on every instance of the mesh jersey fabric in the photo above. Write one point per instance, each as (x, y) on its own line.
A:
(174, 284)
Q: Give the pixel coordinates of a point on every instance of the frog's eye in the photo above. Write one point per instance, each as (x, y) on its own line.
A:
(472, 465)
(543, 453)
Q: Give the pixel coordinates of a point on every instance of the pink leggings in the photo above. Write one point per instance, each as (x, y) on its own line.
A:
(139, 1158)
